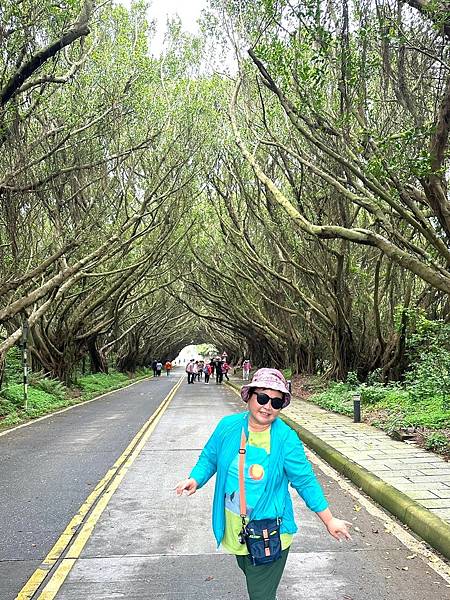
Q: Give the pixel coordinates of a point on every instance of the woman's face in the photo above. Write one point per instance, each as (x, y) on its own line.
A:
(261, 416)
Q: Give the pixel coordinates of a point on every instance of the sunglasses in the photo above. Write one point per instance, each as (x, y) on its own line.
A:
(263, 399)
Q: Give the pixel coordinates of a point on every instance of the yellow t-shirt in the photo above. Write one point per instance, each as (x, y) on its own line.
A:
(255, 473)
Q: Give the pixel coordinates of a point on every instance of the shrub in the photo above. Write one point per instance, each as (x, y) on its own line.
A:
(372, 394)
(98, 382)
(352, 379)
(338, 398)
(429, 349)
(39, 401)
(13, 366)
(52, 386)
(287, 373)
(437, 442)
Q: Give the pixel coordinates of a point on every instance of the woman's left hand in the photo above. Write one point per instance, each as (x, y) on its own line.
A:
(338, 528)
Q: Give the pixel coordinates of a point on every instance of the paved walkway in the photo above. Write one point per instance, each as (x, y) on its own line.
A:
(421, 475)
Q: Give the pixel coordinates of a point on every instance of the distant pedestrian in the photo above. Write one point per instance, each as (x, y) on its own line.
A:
(218, 370)
(225, 368)
(154, 363)
(246, 368)
(168, 367)
(158, 368)
(190, 371)
(201, 364)
(207, 372)
(256, 457)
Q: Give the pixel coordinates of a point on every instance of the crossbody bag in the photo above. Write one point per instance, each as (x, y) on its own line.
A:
(261, 536)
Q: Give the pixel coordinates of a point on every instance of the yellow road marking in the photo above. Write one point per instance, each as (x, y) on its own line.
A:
(113, 477)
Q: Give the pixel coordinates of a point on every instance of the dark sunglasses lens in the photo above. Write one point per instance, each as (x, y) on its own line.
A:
(277, 403)
(262, 399)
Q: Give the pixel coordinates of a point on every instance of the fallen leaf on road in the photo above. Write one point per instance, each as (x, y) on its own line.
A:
(357, 507)
(405, 568)
(209, 578)
(411, 556)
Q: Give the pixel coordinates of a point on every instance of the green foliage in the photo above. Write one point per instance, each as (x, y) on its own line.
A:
(46, 395)
(287, 373)
(206, 349)
(39, 401)
(429, 349)
(395, 407)
(100, 382)
(352, 379)
(13, 369)
(338, 398)
(54, 387)
(438, 442)
(373, 394)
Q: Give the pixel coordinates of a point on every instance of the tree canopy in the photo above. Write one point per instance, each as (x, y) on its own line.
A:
(291, 206)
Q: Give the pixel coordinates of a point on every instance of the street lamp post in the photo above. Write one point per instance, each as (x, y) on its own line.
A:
(24, 342)
(356, 408)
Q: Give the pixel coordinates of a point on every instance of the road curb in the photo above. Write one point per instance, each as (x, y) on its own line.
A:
(423, 522)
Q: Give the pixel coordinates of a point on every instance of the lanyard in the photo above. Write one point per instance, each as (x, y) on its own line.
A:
(242, 501)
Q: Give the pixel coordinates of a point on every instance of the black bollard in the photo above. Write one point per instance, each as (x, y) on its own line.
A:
(356, 408)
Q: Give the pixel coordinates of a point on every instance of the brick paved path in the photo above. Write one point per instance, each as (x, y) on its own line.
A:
(422, 475)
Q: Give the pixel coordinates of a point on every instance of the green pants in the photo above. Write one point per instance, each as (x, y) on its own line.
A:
(262, 580)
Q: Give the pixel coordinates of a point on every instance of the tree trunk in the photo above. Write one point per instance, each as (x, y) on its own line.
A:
(99, 364)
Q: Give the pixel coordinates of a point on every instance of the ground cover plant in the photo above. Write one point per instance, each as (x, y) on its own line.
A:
(46, 395)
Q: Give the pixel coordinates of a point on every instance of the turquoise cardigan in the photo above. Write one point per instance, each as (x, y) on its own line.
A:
(287, 464)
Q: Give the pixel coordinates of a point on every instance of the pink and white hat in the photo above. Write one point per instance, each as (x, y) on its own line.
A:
(269, 379)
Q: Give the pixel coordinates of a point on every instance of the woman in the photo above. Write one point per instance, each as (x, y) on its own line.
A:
(273, 459)
(246, 368)
(225, 368)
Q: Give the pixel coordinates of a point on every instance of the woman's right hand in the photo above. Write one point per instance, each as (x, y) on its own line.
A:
(187, 485)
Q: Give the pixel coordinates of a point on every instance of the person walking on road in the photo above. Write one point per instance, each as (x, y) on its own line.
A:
(255, 456)
(190, 371)
(158, 368)
(154, 363)
(218, 370)
(246, 368)
(225, 368)
(201, 364)
(207, 372)
(168, 367)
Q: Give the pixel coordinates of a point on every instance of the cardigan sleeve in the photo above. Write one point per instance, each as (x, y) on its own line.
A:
(206, 464)
(301, 475)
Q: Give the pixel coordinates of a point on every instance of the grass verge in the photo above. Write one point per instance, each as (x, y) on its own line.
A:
(48, 395)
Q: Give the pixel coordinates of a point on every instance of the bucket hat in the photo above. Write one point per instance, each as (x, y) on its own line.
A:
(270, 379)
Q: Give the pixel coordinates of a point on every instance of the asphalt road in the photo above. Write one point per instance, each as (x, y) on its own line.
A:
(149, 544)
(48, 468)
